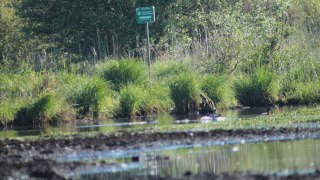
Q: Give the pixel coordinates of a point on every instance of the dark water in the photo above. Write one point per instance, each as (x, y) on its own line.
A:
(299, 156)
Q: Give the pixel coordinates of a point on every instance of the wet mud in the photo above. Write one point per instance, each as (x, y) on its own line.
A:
(28, 159)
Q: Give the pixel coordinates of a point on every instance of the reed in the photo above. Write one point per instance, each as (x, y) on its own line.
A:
(131, 100)
(124, 72)
(256, 89)
(185, 92)
(43, 111)
(220, 90)
(90, 100)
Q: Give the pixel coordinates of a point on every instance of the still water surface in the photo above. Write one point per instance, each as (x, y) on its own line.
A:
(288, 157)
(115, 125)
(174, 160)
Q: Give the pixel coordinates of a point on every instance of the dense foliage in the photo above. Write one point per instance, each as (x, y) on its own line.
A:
(248, 52)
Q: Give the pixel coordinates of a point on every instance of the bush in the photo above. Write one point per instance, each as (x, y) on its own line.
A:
(219, 90)
(185, 91)
(301, 84)
(131, 100)
(8, 109)
(91, 99)
(22, 85)
(43, 111)
(303, 93)
(158, 99)
(165, 69)
(125, 72)
(256, 89)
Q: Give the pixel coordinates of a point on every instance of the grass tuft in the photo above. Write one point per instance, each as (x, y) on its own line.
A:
(158, 99)
(90, 101)
(125, 72)
(256, 89)
(185, 92)
(163, 70)
(131, 100)
(43, 111)
(219, 89)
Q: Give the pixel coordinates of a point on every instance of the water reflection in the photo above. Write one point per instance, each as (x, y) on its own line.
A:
(260, 157)
(114, 125)
(271, 157)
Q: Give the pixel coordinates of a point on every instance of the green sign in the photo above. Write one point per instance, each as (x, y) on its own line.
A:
(145, 15)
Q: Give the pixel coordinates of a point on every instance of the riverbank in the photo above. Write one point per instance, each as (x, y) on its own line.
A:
(123, 88)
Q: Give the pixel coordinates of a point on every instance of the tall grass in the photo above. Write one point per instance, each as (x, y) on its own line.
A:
(185, 92)
(256, 89)
(162, 70)
(305, 93)
(139, 100)
(220, 90)
(8, 109)
(90, 100)
(131, 100)
(21, 85)
(44, 110)
(124, 72)
(301, 85)
(158, 99)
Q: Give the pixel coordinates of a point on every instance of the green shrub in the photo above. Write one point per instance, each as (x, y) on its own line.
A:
(43, 111)
(136, 100)
(256, 89)
(165, 69)
(301, 84)
(125, 72)
(71, 85)
(303, 92)
(158, 99)
(132, 99)
(185, 90)
(91, 96)
(8, 109)
(22, 85)
(110, 106)
(91, 99)
(219, 90)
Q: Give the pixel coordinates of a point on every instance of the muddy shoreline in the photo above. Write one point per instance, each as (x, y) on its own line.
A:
(28, 158)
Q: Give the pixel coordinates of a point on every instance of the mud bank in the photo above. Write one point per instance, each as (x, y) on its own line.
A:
(25, 159)
(124, 139)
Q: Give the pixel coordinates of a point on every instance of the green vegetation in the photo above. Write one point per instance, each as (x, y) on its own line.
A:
(251, 53)
(131, 100)
(185, 92)
(301, 84)
(163, 70)
(256, 89)
(91, 99)
(158, 99)
(45, 109)
(137, 100)
(218, 88)
(125, 72)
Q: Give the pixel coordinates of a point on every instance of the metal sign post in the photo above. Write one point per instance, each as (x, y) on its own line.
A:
(149, 54)
(146, 15)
